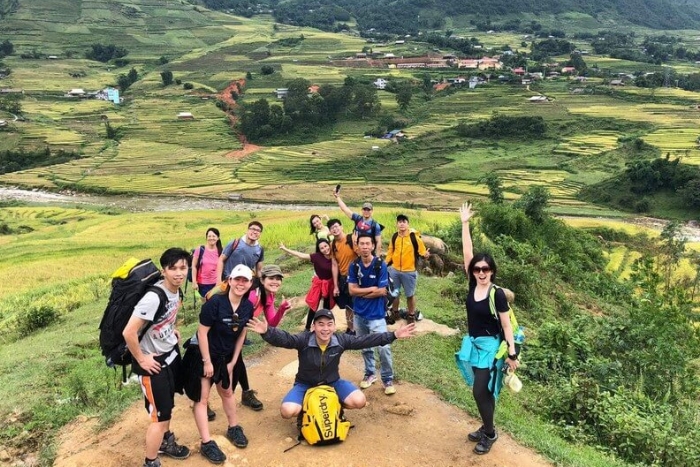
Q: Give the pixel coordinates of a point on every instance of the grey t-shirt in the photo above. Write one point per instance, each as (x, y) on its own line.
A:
(250, 255)
(160, 337)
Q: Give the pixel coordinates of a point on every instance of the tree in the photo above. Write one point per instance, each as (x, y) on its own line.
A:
(672, 249)
(365, 100)
(123, 82)
(163, 60)
(404, 93)
(133, 75)
(249, 76)
(6, 48)
(267, 70)
(534, 202)
(493, 182)
(167, 77)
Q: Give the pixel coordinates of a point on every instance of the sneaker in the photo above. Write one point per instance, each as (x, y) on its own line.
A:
(475, 436)
(236, 436)
(410, 318)
(367, 381)
(211, 415)
(248, 399)
(350, 332)
(389, 388)
(153, 463)
(212, 452)
(485, 443)
(170, 448)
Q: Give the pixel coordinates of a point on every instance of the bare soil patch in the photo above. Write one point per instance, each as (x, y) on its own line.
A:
(412, 428)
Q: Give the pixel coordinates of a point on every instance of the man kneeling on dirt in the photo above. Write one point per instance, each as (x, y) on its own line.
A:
(319, 357)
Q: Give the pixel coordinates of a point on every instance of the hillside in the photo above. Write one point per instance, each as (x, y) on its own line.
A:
(409, 16)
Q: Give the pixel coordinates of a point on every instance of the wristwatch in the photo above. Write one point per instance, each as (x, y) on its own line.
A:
(513, 356)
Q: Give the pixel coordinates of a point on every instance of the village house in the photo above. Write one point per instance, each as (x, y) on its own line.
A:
(76, 93)
(11, 91)
(185, 116)
(519, 71)
(538, 99)
(281, 93)
(567, 70)
(380, 83)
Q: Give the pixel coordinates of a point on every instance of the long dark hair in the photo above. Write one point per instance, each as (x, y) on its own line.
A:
(481, 257)
(215, 231)
(258, 287)
(311, 223)
(318, 244)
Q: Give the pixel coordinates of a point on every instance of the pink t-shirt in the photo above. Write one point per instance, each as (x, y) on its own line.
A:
(207, 270)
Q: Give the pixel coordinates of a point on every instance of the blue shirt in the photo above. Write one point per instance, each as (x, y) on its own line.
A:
(250, 255)
(369, 308)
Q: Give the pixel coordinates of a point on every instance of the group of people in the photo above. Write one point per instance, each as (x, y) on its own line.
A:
(238, 288)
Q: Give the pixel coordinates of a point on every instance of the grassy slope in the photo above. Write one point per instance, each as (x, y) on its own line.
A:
(158, 154)
(66, 375)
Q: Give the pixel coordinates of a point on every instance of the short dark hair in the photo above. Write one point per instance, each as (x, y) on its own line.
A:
(402, 217)
(366, 235)
(333, 221)
(256, 223)
(172, 256)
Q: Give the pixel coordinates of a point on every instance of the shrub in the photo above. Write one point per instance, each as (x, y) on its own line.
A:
(188, 86)
(36, 318)
(267, 70)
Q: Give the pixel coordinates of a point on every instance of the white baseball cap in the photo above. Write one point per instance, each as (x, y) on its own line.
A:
(241, 270)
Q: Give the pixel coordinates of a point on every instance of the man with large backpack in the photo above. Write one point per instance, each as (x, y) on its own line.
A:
(367, 283)
(342, 255)
(319, 357)
(405, 247)
(245, 250)
(153, 342)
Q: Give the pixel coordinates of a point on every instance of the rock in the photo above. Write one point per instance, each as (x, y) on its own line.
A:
(4, 455)
(400, 409)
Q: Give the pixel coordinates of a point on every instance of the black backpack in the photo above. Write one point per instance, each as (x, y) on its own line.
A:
(125, 294)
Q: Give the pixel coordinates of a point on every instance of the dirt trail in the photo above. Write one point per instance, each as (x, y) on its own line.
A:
(412, 428)
(236, 86)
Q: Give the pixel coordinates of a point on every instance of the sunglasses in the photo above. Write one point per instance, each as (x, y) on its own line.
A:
(366, 209)
(479, 269)
(236, 323)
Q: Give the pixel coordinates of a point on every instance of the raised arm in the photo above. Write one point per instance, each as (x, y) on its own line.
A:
(466, 213)
(342, 205)
(298, 254)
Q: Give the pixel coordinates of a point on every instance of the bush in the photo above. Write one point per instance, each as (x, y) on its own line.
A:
(267, 70)
(36, 318)
(188, 86)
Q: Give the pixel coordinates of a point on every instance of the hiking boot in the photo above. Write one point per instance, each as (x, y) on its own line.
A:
(475, 436)
(485, 443)
(212, 452)
(389, 388)
(410, 318)
(170, 448)
(248, 399)
(211, 415)
(367, 381)
(154, 463)
(236, 436)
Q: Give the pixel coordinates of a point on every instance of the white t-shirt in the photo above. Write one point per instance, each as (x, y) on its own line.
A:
(160, 337)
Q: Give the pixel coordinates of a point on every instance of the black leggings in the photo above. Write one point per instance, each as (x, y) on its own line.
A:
(240, 375)
(311, 313)
(485, 401)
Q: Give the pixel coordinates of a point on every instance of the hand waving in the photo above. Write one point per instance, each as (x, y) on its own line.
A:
(466, 212)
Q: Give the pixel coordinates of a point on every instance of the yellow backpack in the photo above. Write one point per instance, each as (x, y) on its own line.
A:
(322, 417)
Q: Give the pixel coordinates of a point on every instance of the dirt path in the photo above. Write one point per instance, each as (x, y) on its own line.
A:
(412, 428)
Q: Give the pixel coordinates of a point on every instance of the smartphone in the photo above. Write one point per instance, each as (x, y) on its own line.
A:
(337, 189)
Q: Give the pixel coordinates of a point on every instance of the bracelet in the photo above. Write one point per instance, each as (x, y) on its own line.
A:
(205, 360)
